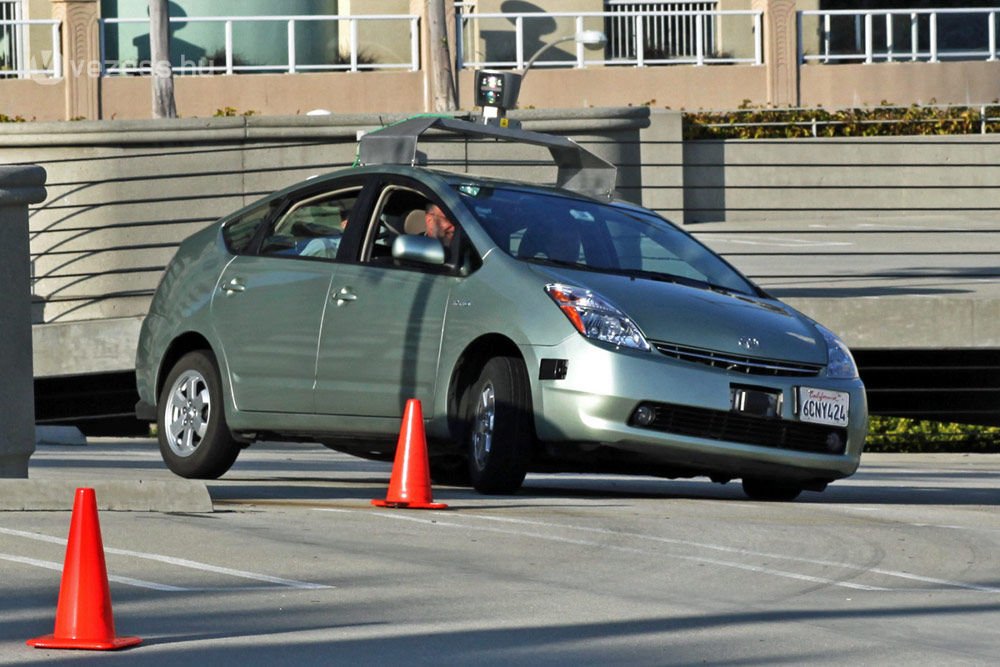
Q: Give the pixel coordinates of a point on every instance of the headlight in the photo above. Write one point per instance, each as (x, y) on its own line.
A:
(595, 318)
(840, 363)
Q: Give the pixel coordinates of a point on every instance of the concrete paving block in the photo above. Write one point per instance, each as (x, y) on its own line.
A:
(139, 495)
(59, 435)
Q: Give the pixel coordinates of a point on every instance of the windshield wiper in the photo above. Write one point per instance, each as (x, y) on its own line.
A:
(563, 263)
(660, 277)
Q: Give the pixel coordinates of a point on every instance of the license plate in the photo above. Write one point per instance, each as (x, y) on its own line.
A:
(824, 406)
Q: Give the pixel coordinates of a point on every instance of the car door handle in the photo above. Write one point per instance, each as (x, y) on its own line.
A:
(343, 295)
(234, 285)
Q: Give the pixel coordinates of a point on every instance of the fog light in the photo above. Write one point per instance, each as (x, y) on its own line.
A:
(834, 443)
(644, 415)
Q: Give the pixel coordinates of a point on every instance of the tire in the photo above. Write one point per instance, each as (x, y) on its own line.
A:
(501, 426)
(195, 441)
(771, 490)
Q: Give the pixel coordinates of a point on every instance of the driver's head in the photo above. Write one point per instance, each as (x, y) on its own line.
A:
(439, 226)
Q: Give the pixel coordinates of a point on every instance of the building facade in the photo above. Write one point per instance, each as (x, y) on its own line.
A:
(70, 59)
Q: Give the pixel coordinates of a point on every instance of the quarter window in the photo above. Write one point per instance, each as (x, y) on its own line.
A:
(238, 233)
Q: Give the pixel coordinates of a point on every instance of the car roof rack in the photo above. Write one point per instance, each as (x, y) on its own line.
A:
(579, 170)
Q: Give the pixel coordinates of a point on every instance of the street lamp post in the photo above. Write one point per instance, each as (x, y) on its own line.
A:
(590, 38)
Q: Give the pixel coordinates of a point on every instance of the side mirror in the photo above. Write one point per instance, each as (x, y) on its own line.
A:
(418, 249)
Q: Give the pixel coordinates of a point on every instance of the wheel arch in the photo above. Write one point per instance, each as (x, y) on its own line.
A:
(187, 342)
(466, 371)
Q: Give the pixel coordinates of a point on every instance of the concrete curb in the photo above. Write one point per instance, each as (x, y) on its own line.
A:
(17, 495)
(59, 435)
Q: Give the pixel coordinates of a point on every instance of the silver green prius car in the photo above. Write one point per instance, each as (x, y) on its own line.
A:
(542, 328)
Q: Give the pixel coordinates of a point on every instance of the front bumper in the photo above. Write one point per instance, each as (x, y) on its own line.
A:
(602, 387)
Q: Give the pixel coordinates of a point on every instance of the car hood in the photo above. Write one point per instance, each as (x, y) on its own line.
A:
(702, 318)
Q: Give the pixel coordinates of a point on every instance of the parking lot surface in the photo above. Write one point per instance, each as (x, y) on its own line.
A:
(898, 564)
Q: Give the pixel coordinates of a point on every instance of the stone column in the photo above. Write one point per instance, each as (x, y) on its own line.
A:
(81, 56)
(19, 186)
(780, 51)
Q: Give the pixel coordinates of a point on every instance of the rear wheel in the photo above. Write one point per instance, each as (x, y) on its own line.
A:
(771, 490)
(195, 441)
(501, 431)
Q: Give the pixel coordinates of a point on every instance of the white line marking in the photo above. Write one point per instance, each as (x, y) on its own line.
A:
(181, 562)
(49, 565)
(601, 545)
(745, 552)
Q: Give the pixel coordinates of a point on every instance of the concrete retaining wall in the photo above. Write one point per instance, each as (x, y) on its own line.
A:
(122, 195)
(852, 231)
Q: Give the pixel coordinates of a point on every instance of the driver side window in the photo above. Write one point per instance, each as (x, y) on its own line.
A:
(312, 228)
(399, 211)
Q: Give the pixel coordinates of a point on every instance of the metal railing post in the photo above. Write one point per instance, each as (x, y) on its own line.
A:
(826, 38)
(993, 36)
(640, 42)
(415, 46)
(914, 37)
(889, 42)
(353, 25)
(869, 39)
(229, 46)
(758, 43)
(579, 45)
(934, 36)
(519, 42)
(699, 39)
(291, 46)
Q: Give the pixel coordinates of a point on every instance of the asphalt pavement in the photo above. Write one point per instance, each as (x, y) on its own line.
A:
(292, 565)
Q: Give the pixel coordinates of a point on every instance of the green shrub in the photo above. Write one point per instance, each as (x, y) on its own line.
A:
(898, 434)
(762, 123)
(231, 112)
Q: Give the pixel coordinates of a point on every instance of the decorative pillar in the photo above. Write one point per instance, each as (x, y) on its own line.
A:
(780, 51)
(19, 186)
(81, 56)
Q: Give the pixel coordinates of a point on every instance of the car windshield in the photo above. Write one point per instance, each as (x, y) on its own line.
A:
(565, 231)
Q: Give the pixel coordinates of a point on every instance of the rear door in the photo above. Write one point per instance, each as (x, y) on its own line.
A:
(268, 306)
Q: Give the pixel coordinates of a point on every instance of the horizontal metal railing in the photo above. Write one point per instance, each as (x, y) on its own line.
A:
(353, 61)
(18, 61)
(904, 34)
(638, 22)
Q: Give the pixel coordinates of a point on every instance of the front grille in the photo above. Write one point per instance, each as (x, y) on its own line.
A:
(737, 364)
(744, 429)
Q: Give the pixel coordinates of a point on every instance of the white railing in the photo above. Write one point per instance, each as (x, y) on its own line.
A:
(665, 31)
(512, 30)
(894, 35)
(18, 60)
(352, 60)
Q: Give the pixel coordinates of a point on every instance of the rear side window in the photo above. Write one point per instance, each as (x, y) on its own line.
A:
(239, 233)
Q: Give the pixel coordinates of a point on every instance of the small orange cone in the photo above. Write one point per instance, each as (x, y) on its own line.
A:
(83, 615)
(410, 484)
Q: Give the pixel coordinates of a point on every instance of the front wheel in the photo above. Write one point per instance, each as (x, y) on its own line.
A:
(771, 490)
(501, 430)
(195, 441)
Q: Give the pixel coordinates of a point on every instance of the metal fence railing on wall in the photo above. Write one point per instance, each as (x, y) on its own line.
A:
(233, 37)
(669, 29)
(639, 34)
(18, 58)
(898, 35)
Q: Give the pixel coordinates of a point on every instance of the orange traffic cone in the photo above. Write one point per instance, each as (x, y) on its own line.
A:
(83, 615)
(410, 484)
